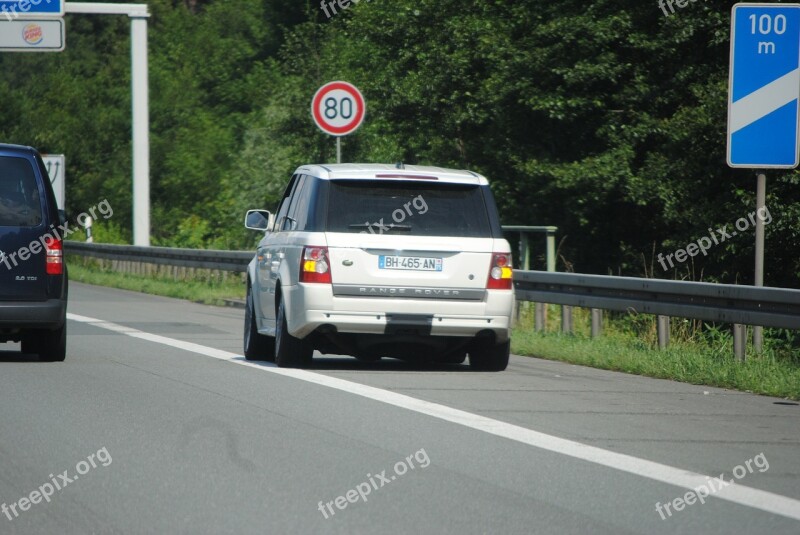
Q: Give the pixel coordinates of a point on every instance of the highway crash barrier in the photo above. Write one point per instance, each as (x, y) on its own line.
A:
(721, 303)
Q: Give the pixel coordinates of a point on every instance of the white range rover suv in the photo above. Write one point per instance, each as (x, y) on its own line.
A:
(377, 261)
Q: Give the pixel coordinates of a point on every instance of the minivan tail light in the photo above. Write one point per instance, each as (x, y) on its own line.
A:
(315, 266)
(500, 272)
(54, 256)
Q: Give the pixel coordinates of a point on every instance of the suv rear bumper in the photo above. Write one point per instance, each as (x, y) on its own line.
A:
(48, 314)
(440, 325)
(312, 306)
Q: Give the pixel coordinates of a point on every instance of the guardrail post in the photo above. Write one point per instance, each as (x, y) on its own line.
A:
(662, 326)
(739, 341)
(597, 322)
(525, 261)
(551, 249)
(539, 317)
(566, 319)
(89, 238)
(524, 251)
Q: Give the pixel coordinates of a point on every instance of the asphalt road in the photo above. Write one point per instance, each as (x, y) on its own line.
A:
(170, 431)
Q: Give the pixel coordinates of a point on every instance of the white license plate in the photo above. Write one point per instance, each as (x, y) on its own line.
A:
(410, 263)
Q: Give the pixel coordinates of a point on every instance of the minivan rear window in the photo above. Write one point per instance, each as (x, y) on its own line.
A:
(408, 209)
(19, 195)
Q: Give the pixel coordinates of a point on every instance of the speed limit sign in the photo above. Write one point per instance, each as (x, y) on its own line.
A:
(338, 108)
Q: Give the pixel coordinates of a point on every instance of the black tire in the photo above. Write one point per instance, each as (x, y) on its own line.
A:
(290, 352)
(52, 346)
(489, 357)
(256, 346)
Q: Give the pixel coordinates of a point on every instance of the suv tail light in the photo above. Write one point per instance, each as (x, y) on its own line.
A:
(315, 265)
(500, 272)
(54, 256)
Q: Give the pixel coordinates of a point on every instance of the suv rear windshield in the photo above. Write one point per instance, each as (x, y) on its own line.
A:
(408, 208)
(19, 195)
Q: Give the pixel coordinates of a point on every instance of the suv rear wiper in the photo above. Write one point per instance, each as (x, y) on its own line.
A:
(380, 229)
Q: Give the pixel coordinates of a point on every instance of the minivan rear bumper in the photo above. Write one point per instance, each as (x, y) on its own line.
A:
(38, 314)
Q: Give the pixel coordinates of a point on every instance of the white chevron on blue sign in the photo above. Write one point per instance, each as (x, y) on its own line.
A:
(763, 108)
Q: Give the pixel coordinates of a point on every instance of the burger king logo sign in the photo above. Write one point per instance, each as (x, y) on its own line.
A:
(32, 34)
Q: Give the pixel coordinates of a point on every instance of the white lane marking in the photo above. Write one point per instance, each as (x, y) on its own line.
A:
(750, 497)
(764, 101)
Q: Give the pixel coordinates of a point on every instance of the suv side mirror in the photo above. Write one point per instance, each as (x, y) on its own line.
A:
(258, 220)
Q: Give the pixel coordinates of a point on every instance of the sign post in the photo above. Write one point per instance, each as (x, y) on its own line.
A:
(763, 104)
(338, 109)
(21, 11)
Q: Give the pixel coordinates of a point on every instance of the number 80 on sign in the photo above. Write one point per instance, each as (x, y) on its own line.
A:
(338, 108)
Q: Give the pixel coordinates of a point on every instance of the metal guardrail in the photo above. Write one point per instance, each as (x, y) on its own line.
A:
(748, 305)
(235, 261)
(725, 303)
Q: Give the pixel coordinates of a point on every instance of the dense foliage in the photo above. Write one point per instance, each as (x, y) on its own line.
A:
(605, 118)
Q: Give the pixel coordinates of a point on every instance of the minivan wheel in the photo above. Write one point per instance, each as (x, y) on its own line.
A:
(489, 357)
(256, 346)
(52, 345)
(290, 352)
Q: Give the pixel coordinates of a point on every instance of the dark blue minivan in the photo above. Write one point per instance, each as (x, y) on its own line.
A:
(33, 277)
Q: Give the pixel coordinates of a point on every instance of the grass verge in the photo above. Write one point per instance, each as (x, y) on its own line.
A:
(210, 291)
(689, 361)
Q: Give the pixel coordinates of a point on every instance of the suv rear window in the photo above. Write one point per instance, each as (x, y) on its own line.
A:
(408, 208)
(19, 195)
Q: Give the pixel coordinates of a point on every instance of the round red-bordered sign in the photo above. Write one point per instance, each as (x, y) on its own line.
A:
(338, 108)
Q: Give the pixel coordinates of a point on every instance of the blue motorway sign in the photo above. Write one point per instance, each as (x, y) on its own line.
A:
(15, 9)
(764, 86)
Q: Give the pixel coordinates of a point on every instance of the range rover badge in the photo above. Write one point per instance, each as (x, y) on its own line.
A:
(347, 262)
